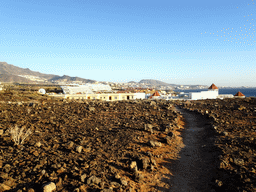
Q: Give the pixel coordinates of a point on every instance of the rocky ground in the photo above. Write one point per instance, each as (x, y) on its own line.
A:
(235, 122)
(86, 145)
(124, 146)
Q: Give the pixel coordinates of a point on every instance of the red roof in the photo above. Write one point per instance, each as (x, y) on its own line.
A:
(213, 87)
(239, 94)
(156, 94)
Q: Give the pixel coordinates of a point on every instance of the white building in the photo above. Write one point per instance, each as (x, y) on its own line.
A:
(155, 95)
(85, 89)
(212, 93)
(139, 95)
(203, 95)
(167, 97)
(224, 96)
(96, 91)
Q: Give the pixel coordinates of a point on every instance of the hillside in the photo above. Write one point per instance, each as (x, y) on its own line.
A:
(13, 78)
(68, 78)
(9, 69)
(11, 73)
(155, 82)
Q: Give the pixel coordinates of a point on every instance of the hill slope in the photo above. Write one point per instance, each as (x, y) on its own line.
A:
(11, 73)
(154, 82)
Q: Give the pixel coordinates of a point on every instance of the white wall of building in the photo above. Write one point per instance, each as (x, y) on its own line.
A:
(223, 96)
(203, 95)
(166, 97)
(140, 95)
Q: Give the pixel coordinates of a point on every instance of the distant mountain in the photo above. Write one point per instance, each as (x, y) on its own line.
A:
(132, 82)
(68, 78)
(9, 69)
(11, 73)
(154, 82)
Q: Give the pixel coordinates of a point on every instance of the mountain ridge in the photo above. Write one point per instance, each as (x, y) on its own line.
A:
(12, 73)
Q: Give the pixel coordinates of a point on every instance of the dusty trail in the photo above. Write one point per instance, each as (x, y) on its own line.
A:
(194, 171)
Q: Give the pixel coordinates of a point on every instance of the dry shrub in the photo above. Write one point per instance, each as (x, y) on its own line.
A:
(19, 134)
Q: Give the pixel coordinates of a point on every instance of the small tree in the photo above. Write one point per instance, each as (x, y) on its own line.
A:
(19, 135)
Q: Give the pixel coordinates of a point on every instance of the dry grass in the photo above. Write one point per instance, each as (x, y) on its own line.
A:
(19, 134)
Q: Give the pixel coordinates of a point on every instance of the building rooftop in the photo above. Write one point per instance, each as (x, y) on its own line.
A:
(156, 94)
(239, 94)
(213, 87)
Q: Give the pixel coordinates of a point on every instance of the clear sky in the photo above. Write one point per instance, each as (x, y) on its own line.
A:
(181, 42)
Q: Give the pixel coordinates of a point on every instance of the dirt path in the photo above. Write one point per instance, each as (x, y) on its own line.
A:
(194, 171)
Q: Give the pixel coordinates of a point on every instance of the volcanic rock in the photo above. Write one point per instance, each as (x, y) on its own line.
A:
(123, 181)
(7, 168)
(149, 128)
(38, 144)
(79, 149)
(49, 187)
(83, 177)
(82, 188)
(4, 187)
(138, 177)
(239, 162)
(93, 180)
(133, 166)
(155, 143)
(110, 141)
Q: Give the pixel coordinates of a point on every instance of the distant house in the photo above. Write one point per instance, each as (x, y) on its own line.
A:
(140, 95)
(97, 91)
(155, 95)
(213, 87)
(239, 95)
(103, 96)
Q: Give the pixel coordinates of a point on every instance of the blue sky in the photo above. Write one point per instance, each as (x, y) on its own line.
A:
(182, 42)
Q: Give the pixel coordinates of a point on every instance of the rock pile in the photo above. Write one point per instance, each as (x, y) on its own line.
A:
(82, 145)
(235, 121)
